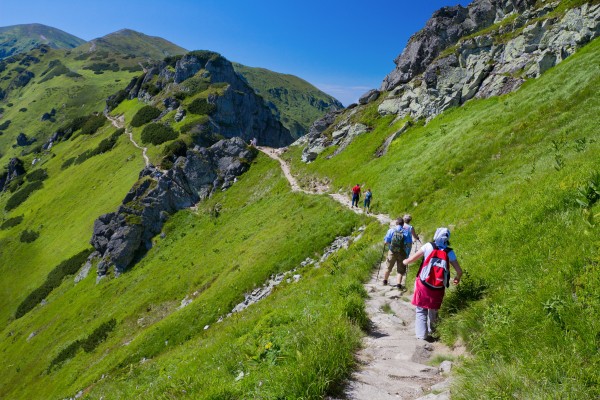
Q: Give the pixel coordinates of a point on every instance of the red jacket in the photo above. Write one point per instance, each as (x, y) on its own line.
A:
(356, 189)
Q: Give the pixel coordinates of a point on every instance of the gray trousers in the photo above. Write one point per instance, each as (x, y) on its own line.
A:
(425, 322)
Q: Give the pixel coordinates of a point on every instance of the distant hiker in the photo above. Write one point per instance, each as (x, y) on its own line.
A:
(367, 203)
(355, 195)
(432, 280)
(253, 142)
(394, 239)
(409, 234)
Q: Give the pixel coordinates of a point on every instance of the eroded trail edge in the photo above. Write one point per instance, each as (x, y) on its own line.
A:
(393, 364)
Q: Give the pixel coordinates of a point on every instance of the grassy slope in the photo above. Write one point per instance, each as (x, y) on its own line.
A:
(300, 340)
(23, 38)
(504, 174)
(70, 97)
(127, 41)
(297, 100)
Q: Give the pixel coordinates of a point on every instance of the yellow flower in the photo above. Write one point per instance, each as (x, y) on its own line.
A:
(268, 346)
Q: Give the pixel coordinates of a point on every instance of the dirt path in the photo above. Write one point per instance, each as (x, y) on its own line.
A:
(393, 363)
(119, 122)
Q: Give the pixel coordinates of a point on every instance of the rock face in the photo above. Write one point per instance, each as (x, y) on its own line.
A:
(448, 63)
(14, 169)
(482, 66)
(121, 236)
(238, 110)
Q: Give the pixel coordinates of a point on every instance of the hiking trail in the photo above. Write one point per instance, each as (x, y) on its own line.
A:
(119, 122)
(392, 363)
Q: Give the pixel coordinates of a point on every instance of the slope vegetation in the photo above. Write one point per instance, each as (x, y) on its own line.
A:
(297, 103)
(516, 179)
(17, 39)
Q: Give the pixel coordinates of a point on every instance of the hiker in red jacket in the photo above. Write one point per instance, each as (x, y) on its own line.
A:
(355, 195)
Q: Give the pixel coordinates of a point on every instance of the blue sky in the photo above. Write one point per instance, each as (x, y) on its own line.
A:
(343, 47)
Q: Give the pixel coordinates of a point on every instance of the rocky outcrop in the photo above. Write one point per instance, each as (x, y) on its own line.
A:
(447, 63)
(14, 169)
(122, 236)
(238, 110)
(444, 29)
(484, 66)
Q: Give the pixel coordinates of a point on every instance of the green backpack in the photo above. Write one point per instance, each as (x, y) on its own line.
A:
(397, 243)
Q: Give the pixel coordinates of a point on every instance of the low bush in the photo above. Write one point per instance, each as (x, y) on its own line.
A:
(113, 101)
(23, 109)
(158, 133)
(28, 236)
(21, 195)
(5, 125)
(92, 125)
(103, 147)
(37, 176)
(9, 223)
(201, 107)
(53, 280)
(144, 115)
(68, 163)
(177, 148)
(88, 344)
(102, 66)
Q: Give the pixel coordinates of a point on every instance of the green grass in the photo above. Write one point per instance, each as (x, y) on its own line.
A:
(298, 342)
(505, 174)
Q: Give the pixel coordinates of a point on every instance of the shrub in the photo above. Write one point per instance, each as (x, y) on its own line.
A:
(177, 148)
(28, 236)
(152, 89)
(68, 267)
(22, 195)
(23, 109)
(37, 175)
(158, 133)
(5, 125)
(201, 107)
(92, 125)
(9, 223)
(98, 336)
(144, 115)
(99, 68)
(88, 344)
(68, 163)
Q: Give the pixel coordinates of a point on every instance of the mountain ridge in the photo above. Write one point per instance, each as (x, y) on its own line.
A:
(21, 38)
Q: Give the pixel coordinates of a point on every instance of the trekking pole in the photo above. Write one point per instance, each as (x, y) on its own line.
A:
(380, 262)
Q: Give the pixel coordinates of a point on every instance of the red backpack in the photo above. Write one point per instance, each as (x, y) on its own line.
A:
(435, 271)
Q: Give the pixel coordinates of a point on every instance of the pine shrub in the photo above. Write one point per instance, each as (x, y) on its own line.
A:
(201, 107)
(158, 133)
(144, 115)
(21, 195)
(9, 223)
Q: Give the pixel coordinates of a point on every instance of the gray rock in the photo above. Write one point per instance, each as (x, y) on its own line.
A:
(368, 97)
(14, 169)
(445, 367)
(123, 236)
(180, 114)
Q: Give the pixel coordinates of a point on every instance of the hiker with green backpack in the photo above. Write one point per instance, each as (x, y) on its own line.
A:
(432, 280)
(394, 239)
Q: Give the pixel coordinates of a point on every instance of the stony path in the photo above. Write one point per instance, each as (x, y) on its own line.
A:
(392, 362)
(119, 122)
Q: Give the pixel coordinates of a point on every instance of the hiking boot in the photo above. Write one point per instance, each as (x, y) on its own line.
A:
(384, 282)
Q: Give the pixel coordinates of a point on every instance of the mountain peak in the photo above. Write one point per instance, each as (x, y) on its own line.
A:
(22, 38)
(128, 41)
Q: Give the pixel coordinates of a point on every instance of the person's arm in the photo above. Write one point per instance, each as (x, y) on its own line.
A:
(414, 234)
(413, 258)
(458, 270)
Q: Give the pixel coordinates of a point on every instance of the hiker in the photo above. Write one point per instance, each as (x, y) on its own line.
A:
(432, 280)
(355, 195)
(394, 239)
(253, 142)
(367, 203)
(409, 234)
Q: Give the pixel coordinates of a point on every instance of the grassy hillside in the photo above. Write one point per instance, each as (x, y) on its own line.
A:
(129, 42)
(17, 39)
(45, 89)
(517, 179)
(297, 102)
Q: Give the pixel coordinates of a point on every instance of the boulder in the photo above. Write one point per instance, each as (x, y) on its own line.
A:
(368, 97)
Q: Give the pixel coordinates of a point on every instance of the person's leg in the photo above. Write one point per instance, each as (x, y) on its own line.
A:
(433, 316)
(421, 323)
(391, 260)
(401, 269)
